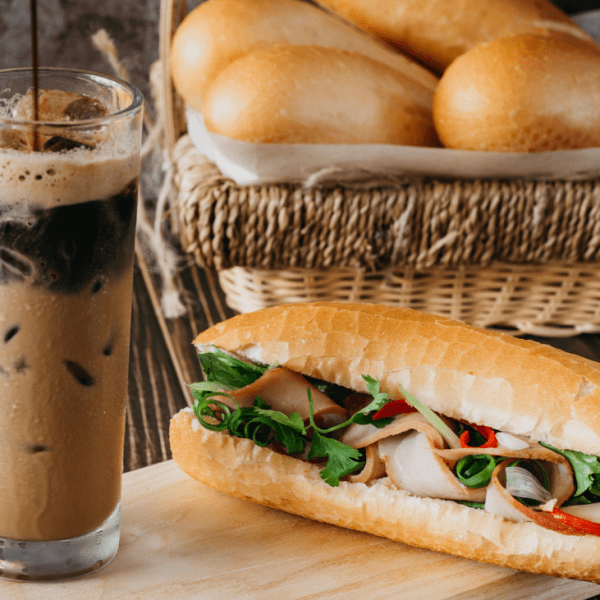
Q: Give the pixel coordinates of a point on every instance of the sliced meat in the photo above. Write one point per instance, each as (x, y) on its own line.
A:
(533, 452)
(412, 465)
(361, 436)
(374, 467)
(286, 391)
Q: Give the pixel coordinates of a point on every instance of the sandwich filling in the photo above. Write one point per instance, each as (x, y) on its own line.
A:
(367, 437)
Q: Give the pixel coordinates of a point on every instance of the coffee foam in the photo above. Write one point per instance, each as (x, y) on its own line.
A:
(49, 179)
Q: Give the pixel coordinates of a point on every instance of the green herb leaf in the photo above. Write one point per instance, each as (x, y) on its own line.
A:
(262, 425)
(362, 417)
(294, 420)
(472, 504)
(585, 498)
(289, 438)
(586, 469)
(228, 371)
(341, 458)
(475, 470)
(379, 398)
(202, 387)
(205, 405)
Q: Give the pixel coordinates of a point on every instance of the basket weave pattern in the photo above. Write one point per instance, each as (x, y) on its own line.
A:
(523, 255)
(518, 254)
(559, 300)
(419, 224)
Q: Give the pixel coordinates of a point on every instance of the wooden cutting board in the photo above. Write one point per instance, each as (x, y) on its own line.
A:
(181, 540)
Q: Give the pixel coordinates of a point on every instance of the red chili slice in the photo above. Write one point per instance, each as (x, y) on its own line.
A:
(576, 522)
(394, 408)
(486, 432)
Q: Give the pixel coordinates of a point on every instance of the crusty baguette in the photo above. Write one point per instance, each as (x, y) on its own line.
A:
(458, 370)
(314, 94)
(217, 32)
(461, 371)
(524, 93)
(437, 32)
(240, 468)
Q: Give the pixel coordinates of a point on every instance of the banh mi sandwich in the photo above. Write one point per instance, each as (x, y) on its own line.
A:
(406, 425)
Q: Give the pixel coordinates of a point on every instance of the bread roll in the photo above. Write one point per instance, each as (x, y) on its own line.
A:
(317, 95)
(458, 370)
(521, 94)
(218, 31)
(437, 32)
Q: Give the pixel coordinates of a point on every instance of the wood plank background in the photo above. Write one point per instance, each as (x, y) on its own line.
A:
(162, 358)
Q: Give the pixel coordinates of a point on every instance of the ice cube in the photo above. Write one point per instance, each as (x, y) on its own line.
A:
(85, 108)
(61, 144)
(58, 105)
(14, 265)
(54, 106)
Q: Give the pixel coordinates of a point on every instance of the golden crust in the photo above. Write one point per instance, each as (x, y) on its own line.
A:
(461, 371)
(438, 32)
(242, 469)
(312, 94)
(217, 32)
(523, 93)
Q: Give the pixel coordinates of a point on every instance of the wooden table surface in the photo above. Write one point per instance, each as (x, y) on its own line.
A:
(163, 360)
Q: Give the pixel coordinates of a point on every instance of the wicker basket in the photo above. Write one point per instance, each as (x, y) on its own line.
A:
(520, 255)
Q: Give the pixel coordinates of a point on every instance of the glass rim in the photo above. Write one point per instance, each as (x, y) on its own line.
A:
(137, 99)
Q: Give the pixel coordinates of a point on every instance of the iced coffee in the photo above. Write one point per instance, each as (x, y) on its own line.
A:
(68, 195)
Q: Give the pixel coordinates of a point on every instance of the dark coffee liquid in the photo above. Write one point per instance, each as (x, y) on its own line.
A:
(69, 248)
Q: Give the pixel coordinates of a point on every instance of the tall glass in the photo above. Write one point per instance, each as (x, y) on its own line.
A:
(68, 197)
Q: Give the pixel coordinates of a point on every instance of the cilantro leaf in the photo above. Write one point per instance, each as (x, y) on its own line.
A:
(202, 389)
(288, 431)
(379, 398)
(220, 367)
(586, 469)
(294, 420)
(291, 440)
(341, 458)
